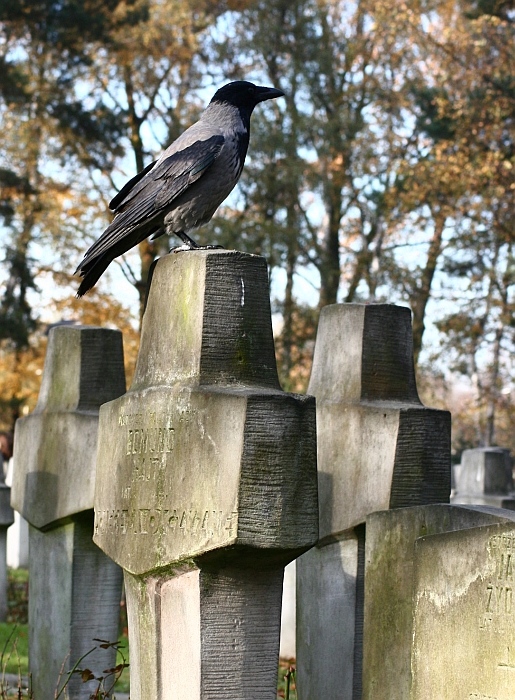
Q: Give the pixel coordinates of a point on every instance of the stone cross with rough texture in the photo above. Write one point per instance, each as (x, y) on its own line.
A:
(378, 448)
(74, 589)
(206, 484)
(391, 597)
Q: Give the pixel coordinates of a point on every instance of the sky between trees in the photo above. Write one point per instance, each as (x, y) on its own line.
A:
(385, 174)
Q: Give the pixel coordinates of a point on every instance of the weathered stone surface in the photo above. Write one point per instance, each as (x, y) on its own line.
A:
(325, 641)
(206, 483)
(6, 519)
(389, 589)
(74, 588)
(6, 512)
(378, 447)
(198, 474)
(55, 447)
(464, 631)
(217, 632)
(74, 598)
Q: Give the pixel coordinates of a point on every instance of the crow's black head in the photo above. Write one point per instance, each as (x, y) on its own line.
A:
(245, 95)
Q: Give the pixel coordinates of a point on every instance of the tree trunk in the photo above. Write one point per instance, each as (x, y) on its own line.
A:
(423, 291)
(330, 265)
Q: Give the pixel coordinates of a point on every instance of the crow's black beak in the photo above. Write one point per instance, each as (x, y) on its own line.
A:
(266, 93)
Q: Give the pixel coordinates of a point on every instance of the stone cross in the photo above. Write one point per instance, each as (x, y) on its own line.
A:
(206, 484)
(378, 448)
(484, 477)
(74, 589)
(392, 558)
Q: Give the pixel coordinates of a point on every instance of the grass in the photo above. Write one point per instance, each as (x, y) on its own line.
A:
(14, 642)
(286, 687)
(14, 648)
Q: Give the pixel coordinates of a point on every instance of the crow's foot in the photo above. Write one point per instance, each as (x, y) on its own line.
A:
(185, 247)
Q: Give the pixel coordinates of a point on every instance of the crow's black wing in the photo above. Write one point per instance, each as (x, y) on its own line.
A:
(154, 192)
(118, 199)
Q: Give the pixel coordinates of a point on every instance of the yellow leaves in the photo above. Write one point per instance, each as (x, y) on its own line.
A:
(20, 379)
(20, 372)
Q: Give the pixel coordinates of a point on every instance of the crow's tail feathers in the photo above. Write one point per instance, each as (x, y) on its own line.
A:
(91, 273)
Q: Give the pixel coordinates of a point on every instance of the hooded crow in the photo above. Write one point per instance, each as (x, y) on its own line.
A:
(183, 188)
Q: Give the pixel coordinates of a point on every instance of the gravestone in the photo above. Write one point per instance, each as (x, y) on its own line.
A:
(484, 477)
(6, 519)
(378, 448)
(206, 484)
(392, 540)
(464, 614)
(74, 589)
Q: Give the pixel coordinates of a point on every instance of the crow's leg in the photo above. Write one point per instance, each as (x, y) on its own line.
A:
(190, 244)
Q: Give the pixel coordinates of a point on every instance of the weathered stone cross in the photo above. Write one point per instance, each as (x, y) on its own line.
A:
(206, 484)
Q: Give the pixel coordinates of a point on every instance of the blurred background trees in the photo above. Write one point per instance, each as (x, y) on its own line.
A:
(385, 174)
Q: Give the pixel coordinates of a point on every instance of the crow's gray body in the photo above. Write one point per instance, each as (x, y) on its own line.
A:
(183, 188)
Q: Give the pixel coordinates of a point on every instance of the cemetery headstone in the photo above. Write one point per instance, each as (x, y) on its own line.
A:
(74, 589)
(206, 484)
(391, 594)
(484, 477)
(378, 448)
(463, 629)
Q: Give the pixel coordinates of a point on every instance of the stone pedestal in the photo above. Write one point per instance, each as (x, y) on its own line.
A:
(74, 589)
(391, 561)
(484, 477)
(206, 484)
(378, 448)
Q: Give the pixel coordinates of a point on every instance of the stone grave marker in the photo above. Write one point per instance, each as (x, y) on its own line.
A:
(74, 589)
(206, 484)
(389, 589)
(464, 614)
(484, 477)
(378, 448)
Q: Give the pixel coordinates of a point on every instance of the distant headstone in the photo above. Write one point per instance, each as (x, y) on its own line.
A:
(206, 484)
(74, 589)
(463, 629)
(378, 448)
(485, 476)
(391, 560)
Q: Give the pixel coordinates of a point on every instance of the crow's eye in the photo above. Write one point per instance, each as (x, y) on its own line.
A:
(251, 90)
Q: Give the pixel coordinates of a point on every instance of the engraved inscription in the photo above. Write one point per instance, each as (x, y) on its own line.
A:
(509, 663)
(162, 521)
(498, 600)
(149, 438)
(502, 541)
